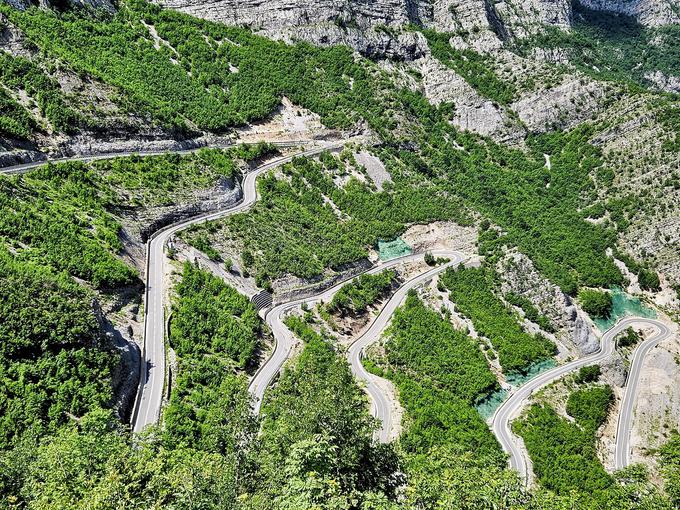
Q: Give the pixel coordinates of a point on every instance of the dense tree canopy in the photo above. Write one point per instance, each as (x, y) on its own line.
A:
(471, 289)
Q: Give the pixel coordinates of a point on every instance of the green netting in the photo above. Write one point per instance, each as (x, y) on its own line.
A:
(519, 378)
(488, 406)
(389, 250)
(624, 305)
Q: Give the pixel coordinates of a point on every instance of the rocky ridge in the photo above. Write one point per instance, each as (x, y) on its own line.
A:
(518, 275)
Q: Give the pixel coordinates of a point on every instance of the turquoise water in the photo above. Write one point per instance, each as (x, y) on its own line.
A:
(518, 378)
(624, 305)
(389, 250)
(488, 406)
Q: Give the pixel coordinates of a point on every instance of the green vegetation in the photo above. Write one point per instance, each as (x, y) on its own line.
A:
(92, 463)
(477, 69)
(565, 460)
(209, 317)
(440, 373)
(504, 184)
(316, 448)
(57, 222)
(294, 229)
(213, 331)
(355, 297)
(53, 360)
(628, 338)
(537, 207)
(58, 214)
(200, 89)
(614, 46)
(317, 434)
(670, 462)
(595, 302)
(157, 180)
(588, 374)
(647, 278)
(15, 121)
(589, 407)
(562, 453)
(471, 289)
(18, 73)
(530, 311)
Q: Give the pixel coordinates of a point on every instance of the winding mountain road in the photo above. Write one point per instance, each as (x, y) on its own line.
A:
(285, 340)
(27, 167)
(627, 411)
(152, 374)
(152, 371)
(513, 405)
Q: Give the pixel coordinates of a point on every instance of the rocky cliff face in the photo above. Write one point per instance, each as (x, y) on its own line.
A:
(373, 27)
(518, 275)
(650, 13)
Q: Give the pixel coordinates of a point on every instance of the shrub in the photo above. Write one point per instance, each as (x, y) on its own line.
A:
(627, 338)
(596, 303)
(588, 374)
(589, 407)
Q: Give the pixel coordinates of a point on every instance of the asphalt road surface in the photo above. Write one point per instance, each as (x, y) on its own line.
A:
(27, 167)
(285, 340)
(152, 374)
(625, 422)
(518, 398)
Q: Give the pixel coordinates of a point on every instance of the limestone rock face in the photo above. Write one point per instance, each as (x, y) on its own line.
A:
(664, 82)
(614, 370)
(282, 14)
(371, 43)
(361, 23)
(472, 112)
(651, 13)
(518, 275)
(561, 107)
(526, 17)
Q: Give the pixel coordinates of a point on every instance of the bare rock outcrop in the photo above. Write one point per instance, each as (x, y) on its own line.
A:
(614, 370)
(561, 107)
(650, 13)
(518, 275)
(664, 82)
(373, 28)
(472, 112)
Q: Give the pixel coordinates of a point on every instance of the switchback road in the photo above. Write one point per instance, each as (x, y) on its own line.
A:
(627, 411)
(285, 340)
(516, 401)
(152, 377)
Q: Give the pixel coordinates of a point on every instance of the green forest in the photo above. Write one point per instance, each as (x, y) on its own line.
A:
(210, 317)
(294, 229)
(595, 302)
(60, 223)
(613, 46)
(355, 297)
(22, 76)
(54, 362)
(63, 246)
(440, 373)
(562, 453)
(564, 456)
(471, 289)
(506, 185)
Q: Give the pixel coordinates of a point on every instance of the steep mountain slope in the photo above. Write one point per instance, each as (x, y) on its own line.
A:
(538, 128)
